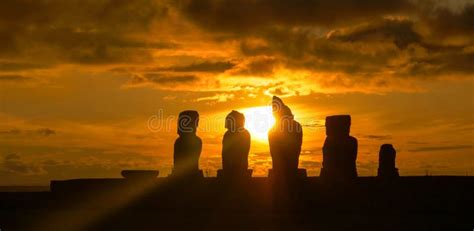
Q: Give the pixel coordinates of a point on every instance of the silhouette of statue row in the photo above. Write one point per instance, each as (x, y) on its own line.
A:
(285, 140)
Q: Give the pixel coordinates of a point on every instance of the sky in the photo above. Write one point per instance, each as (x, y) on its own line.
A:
(91, 87)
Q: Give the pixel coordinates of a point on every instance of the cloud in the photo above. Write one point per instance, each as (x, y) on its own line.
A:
(18, 66)
(257, 66)
(448, 22)
(206, 66)
(221, 97)
(367, 166)
(13, 78)
(378, 137)
(399, 31)
(311, 164)
(440, 148)
(311, 152)
(252, 47)
(79, 31)
(96, 47)
(14, 164)
(163, 80)
(29, 133)
(46, 132)
(314, 124)
(245, 16)
(337, 46)
(346, 45)
(10, 132)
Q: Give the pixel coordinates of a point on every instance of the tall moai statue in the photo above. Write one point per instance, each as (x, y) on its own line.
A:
(187, 147)
(285, 139)
(339, 150)
(235, 146)
(387, 156)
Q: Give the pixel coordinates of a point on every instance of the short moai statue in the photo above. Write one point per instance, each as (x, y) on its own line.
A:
(235, 147)
(187, 147)
(387, 156)
(339, 150)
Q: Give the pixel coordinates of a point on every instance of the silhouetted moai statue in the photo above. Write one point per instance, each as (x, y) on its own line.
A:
(235, 146)
(339, 150)
(387, 156)
(285, 139)
(187, 148)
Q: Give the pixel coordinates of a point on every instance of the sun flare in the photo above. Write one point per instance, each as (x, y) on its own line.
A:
(258, 120)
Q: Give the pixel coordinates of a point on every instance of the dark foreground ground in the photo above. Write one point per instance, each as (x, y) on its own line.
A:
(409, 203)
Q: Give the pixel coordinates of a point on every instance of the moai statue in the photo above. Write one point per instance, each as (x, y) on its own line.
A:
(285, 139)
(387, 156)
(339, 150)
(187, 148)
(235, 146)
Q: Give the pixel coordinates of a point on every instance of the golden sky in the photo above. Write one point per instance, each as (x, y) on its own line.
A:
(91, 87)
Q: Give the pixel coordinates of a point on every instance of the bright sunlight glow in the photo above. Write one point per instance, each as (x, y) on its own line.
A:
(258, 120)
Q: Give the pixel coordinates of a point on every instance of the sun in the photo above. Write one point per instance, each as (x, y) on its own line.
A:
(258, 120)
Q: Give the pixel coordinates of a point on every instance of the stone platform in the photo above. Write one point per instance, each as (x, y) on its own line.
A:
(367, 203)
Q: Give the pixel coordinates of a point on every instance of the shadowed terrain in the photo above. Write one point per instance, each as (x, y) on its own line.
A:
(367, 203)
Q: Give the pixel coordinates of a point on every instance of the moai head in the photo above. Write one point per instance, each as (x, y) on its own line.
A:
(235, 121)
(188, 122)
(387, 153)
(338, 125)
(280, 110)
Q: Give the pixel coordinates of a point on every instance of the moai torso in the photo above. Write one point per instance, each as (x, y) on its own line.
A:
(339, 150)
(235, 151)
(339, 156)
(285, 146)
(387, 157)
(187, 150)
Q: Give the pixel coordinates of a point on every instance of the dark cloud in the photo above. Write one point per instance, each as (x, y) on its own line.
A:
(13, 77)
(445, 22)
(18, 66)
(378, 137)
(200, 67)
(92, 47)
(281, 91)
(245, 15)
(108, 14)
(14, 164)
(46, 132)
(300, 48)
(341, 43)
(372, 53)
(400, 31)
(251, 47)
(30, 133)
(440, 148)
(91, 32)
(442, 60)
(163, 79)
(11, 132)
(12, 156)
(361, 43)
(258, 66)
